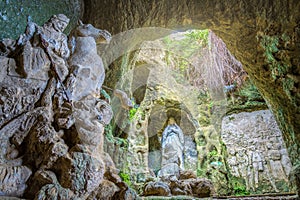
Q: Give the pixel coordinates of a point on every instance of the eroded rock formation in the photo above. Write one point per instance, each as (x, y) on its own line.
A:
(52, 122)
(249, 28)
(199, 116)
(46, 108)
(172, 178)
(185, 184)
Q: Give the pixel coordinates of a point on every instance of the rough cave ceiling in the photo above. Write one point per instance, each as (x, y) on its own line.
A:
(263, 35)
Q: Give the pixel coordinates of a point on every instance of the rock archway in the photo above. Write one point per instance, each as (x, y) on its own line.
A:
(263, 35)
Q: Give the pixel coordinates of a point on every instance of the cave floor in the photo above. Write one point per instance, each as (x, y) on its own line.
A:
(179, 197)
(250, 197)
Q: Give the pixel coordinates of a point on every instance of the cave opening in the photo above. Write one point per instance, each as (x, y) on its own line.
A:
(237, 138)
(192, 77)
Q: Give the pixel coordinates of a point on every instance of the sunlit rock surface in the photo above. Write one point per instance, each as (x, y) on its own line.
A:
(256, 151)
(263, 35)
(51, 129)
(199, 117)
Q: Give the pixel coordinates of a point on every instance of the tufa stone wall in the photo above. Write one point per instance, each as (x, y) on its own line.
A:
(256, 151)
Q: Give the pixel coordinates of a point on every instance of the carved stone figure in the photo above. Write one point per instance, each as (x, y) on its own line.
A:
(275, 161)
(256, 160)
(42, 47)
(285, 160)
(52, 33)
(90, 72)
(51, 126)
(243, 161)
(172, 148)
(232, 161)
(261, 145)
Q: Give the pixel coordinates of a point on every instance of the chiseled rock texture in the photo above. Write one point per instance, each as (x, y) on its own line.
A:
(256, 151)
(51, 130)
(263, 35)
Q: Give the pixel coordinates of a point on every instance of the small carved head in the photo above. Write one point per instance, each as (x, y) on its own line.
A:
(87, 30)
(171, 121)
(59, 22)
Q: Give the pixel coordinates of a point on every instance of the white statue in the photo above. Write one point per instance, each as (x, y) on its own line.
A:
(172, 144)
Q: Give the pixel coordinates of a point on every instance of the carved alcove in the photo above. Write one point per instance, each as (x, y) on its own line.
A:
(156, 125)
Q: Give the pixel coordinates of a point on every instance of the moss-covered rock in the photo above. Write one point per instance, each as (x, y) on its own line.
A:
(14, 14)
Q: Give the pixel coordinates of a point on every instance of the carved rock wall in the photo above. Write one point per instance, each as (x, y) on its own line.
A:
(256, 151)
(247, 27)
(51, 131)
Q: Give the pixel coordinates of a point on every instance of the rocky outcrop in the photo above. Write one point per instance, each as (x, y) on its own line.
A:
(145, 130)
(157, 189)
(256, 151)
(187, 185)
(52, 121)
(200, 118)
(263, 35)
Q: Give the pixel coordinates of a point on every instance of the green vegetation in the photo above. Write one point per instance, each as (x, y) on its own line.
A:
(200, 58)
(278, 61)
(180, 50)
(288, 85)
(246, 98)
(126, 178)
(185, 47)
(249, 91)
(201, 172)
(201, 36)
(238, 186)
(212, 153)
(133, 111)
(211, 106)
(108, 130)
(240, 190)
(270, 44)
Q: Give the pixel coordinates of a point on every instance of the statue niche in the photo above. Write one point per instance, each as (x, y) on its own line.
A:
(172, 143)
